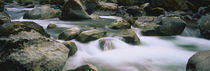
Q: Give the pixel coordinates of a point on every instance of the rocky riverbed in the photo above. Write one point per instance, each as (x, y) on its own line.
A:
(104, 35)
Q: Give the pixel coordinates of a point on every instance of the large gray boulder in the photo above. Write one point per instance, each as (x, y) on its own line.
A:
(25, 49)
(90, 35)
(74, 10)
(4, 18)
(171, 26)
(204, 25)
(43, 12)
(199, 62)
(160, 26)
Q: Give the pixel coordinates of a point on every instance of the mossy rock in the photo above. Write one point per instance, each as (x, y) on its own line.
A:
(16, 27)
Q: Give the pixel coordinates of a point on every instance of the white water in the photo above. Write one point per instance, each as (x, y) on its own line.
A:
(154, 53)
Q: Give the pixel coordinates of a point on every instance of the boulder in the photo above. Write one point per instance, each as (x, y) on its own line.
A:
(11, 28)
(87, 67)
(156, 11)
(43, 12)
(204, 25)
(160, 26)
(72, 47)
(148, 24)
(199, 62)
(74, 10)
(129, 36)
(107, 6)
(106, 44)
(51, 26)
(135, 11)
(90, 35)
(69, 34)
(120, 24)
(29, 50)
(4, 18)
(91, 5)
(171, 26)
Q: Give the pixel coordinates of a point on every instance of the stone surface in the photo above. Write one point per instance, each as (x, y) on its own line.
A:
(25, 49)
(106, 44)
(43, 12)
(74, 10)
(171, 26)
(4, 18)
(120, 24)
(199, 62)
(88, 67)
(70, 34)
(90, 35)
(11, 28)
(72, 47)
(51, 26)
(204, 25)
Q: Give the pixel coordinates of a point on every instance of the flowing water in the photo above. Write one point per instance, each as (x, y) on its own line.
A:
(154, 54)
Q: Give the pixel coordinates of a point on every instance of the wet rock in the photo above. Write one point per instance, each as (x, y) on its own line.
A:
(88, 67)
(90, 35)
(171, 26)
(28, 50)
(51, 26)
(157, 11)
(120, 24)
(106, 44)
(43, 12)
(1, 5)
(69, 34)
(148, 24)
(72, 47)
(4, 18)
(107, 6)
(204, 25)
(135, 11)
(11, 28)
(199, 62)
(74, 10)
(129, 36)
(150, 30)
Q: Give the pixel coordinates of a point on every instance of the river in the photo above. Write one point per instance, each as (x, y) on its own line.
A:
(169, 53)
